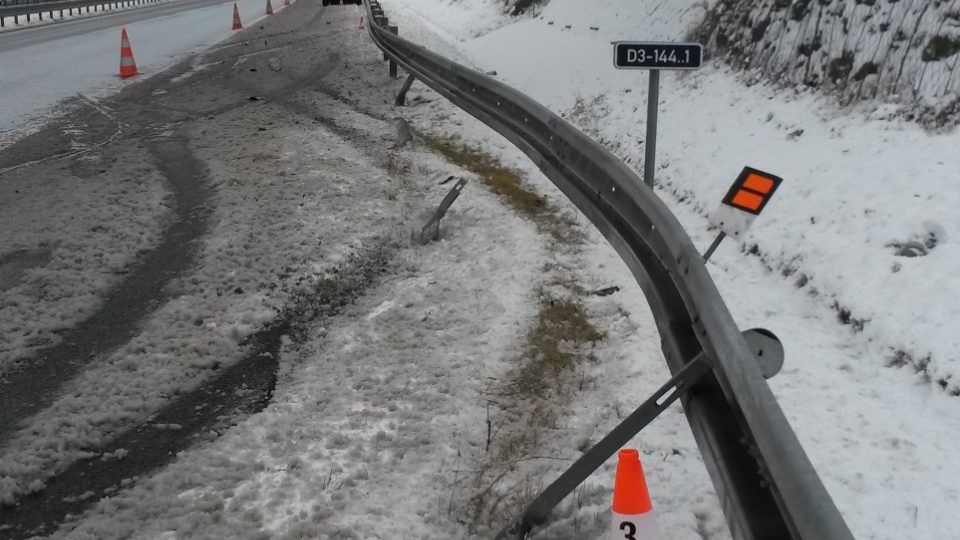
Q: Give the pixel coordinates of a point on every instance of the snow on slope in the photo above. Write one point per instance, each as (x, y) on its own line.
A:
(905, 51)
(862, 191)
(461, 19)
(859, 187)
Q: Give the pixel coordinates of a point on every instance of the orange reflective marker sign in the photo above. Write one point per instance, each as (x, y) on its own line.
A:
(751, 191)
(746, 198)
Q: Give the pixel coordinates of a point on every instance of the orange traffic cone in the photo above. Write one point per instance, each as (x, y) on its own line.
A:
(128, 66)
(269, 8)
(237, 25)
(632, 512)
(361, 23)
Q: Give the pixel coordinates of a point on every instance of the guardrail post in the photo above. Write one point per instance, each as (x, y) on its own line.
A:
(393, 65)
(402, 96)
(431, 231)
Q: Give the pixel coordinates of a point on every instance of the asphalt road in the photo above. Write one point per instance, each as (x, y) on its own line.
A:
(19, 38)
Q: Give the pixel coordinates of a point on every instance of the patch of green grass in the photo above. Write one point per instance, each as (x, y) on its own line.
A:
(561, 330)
(507, 183)
(502, 180)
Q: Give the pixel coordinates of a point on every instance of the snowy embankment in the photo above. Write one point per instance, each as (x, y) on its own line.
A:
(853, 262)
(906, 52)
(865, 220)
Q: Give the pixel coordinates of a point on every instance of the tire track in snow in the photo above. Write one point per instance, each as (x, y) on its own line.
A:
(240, 390)
(27, 391)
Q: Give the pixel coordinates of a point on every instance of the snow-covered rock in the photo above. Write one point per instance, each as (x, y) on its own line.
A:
(907, 51)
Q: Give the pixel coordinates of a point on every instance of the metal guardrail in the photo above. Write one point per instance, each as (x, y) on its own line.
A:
(40, 3)
(766, 484)
(21, 8)
(7, 3)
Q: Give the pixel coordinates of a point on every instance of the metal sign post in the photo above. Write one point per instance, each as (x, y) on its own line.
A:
(650, 144)
(654, 57)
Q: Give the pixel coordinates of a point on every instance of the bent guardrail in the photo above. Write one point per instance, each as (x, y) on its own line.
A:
(763, 478)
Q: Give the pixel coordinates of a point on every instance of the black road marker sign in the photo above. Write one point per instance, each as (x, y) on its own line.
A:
(652, 55)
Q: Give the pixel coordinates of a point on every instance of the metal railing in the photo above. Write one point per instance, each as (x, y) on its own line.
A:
(26, 8)
(8, 3)
(766, 484)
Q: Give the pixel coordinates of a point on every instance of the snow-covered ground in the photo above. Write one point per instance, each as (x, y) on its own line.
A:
(859, 186)
(388, 419)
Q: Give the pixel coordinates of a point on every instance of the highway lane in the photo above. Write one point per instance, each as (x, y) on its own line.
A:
(27, 36)
(43, 65)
